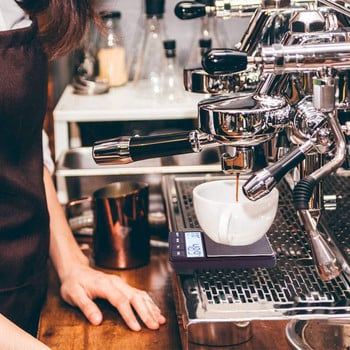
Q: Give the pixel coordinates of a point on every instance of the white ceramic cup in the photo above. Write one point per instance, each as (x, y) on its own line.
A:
(227, 221)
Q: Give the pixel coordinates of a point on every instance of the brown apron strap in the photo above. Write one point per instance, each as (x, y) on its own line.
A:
(24, 221)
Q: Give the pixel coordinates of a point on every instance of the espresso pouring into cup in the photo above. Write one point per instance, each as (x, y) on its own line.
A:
(231, 222)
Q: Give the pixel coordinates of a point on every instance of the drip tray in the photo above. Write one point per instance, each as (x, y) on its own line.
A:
(289, 290)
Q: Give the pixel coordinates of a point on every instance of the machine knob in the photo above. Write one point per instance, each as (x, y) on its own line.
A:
(224, 61)
(190, 10)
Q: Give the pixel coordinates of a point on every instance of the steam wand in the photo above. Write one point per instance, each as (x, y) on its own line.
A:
(325, 259)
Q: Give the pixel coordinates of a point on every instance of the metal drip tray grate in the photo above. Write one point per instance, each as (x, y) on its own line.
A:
(292, 289)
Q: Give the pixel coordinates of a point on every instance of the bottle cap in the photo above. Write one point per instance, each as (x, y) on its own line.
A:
(170, 48)
(205, 43)
(155, 7)
(169, 44)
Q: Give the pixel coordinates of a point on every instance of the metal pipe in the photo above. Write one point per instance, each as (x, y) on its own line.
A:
(337, 6)
(324, 257)
(301, 58)
(340, 153)
(325, 260)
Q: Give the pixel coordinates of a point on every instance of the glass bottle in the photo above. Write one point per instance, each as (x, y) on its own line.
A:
(198, 52)
(147, 70)
(172, 87)
(86, 65)
(210, 28)
(112, 54)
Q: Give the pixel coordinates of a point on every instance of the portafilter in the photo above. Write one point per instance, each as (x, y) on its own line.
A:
(241, 121)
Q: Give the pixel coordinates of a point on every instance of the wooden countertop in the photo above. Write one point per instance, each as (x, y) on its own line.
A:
(63, 327)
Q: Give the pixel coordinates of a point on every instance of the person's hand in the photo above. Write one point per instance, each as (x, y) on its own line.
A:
(84, 284)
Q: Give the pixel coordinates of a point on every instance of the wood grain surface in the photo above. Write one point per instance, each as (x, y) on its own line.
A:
(63, 327)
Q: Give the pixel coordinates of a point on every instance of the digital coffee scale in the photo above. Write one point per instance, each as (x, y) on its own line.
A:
(194, 250)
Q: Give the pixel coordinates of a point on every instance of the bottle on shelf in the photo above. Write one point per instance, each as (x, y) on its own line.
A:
(204, 45)
(172, 83)
(112, 54)
(211, 31)
(146, 70)
(85, 62)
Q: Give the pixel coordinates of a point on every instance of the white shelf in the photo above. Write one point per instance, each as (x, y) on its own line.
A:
(122, 103)
(125, 103)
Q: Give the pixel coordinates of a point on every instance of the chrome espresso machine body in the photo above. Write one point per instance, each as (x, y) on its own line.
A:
(280, 107)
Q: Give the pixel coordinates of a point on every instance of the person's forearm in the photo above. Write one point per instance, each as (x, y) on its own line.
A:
(64, 250)
(14, 338)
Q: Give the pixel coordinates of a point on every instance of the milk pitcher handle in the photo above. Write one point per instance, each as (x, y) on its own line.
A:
(82, 221)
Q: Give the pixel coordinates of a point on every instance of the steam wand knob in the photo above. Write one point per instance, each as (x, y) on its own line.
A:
(224, 61)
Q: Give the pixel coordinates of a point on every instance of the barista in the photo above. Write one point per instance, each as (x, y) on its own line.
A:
(32, 223)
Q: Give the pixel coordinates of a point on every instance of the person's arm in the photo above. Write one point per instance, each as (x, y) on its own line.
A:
(47, 156)
(14, 338)
(81, 284)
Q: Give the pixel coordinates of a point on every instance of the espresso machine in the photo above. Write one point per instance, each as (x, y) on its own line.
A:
(280, 106)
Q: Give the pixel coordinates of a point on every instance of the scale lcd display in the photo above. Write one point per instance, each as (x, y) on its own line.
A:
(194, 245)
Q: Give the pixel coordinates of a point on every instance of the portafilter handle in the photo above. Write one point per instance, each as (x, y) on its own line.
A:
(127, 149)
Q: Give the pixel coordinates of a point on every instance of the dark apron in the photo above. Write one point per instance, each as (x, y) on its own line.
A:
(24, 222)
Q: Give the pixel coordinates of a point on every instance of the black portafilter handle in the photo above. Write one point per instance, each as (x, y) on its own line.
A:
(224, 61)
(190, 9)
(262, 182)
(127, 149)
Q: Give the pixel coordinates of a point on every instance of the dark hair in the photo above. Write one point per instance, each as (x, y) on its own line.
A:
(65, 22)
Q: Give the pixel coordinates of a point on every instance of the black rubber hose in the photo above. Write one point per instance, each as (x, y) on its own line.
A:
(302, 193)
